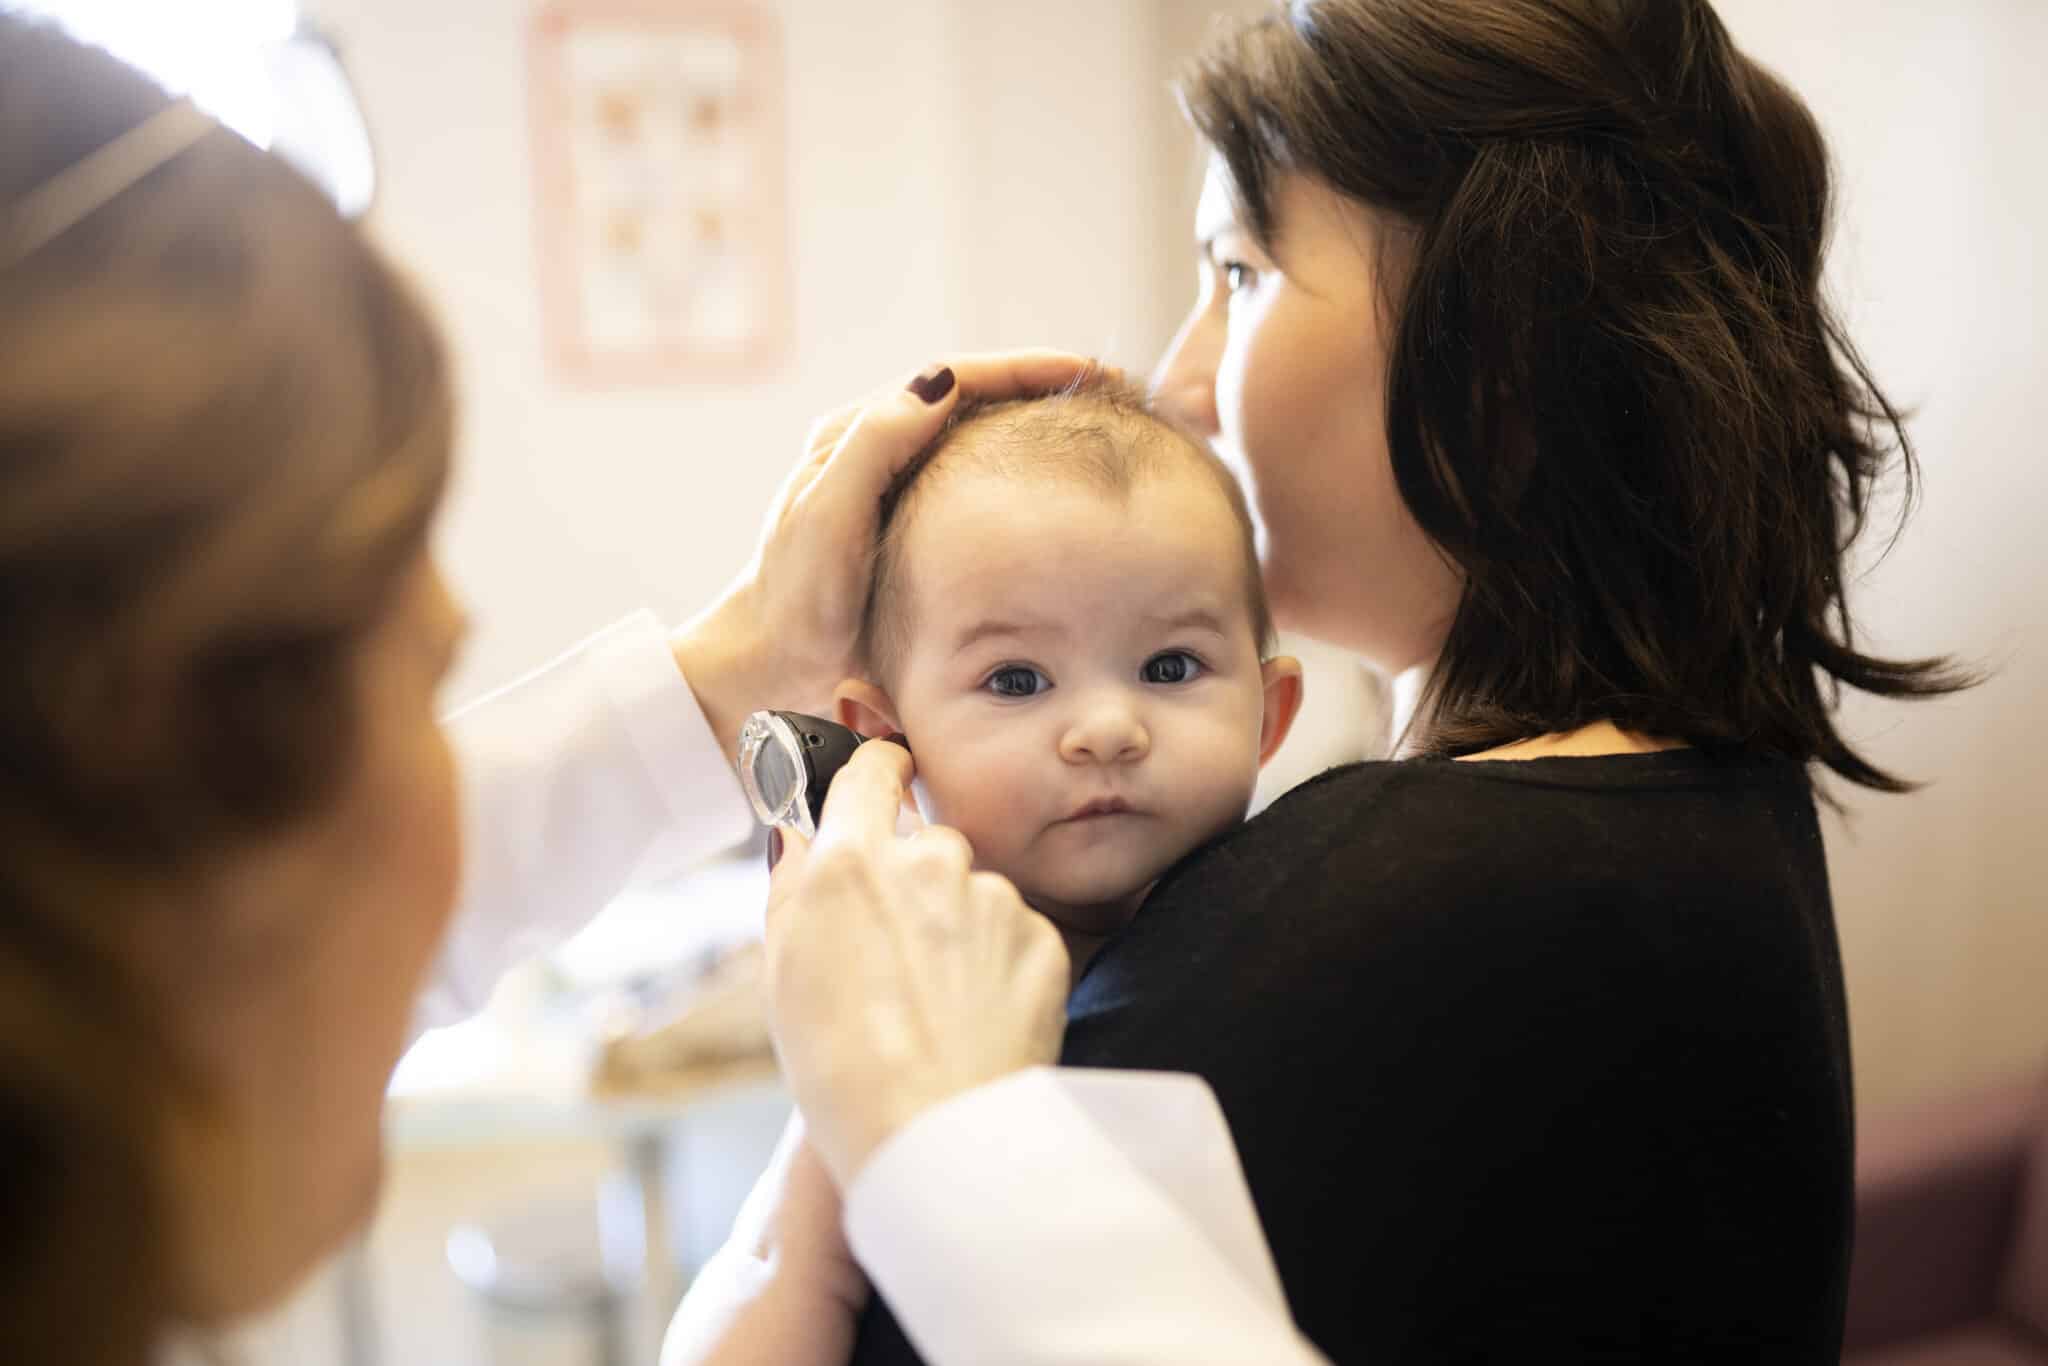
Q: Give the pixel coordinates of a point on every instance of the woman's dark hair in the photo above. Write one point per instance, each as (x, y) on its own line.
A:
(225, 424)
(1615, 397)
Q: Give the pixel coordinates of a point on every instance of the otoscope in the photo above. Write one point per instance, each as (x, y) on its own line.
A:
(787, 760)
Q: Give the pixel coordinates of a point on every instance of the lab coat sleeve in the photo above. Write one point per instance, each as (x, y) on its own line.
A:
(1068, 1215)
(590, 775)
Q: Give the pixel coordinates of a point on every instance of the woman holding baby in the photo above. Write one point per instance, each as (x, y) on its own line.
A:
(1530, 1043)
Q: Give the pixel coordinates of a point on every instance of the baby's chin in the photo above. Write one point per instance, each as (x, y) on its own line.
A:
(1093, 911)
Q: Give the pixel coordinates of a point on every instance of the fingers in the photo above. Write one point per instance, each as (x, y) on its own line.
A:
(987, 375)
(846, 491)
(825, 435)
(861, 805)
(1043, 963)
(994, 893)
(788, 868)
(1019, 374)
(827, 430)
(854, 452)
(943, 847)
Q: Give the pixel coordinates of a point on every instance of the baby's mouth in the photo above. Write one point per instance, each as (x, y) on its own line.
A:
(1096, 809)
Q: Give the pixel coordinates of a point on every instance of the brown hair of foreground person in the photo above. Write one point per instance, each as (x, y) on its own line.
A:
(224, 429)
(1616, 399)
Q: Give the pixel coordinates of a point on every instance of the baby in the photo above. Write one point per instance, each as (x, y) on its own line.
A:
(1067, 623)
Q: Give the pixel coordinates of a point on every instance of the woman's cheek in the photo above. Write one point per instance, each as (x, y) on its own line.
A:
(447, 874)
(1242, 383)
(1230, 397)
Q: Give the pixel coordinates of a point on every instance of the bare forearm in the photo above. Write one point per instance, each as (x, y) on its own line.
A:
(778, 1328)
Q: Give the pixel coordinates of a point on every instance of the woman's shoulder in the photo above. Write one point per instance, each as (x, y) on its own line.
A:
(1392, 796)
(1675, 770)
(1411, 835)
(1537, 884)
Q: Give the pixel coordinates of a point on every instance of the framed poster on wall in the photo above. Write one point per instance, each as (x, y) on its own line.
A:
(658, 151)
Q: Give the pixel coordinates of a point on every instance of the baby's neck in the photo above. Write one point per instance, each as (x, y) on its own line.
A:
(1081, 950)
(1082, 946)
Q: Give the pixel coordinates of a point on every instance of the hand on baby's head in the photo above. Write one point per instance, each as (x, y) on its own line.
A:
(1068, 622)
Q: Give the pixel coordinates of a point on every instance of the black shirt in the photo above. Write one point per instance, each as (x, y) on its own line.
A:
(1542, 1060)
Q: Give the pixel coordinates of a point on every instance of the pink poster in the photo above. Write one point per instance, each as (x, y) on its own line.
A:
(659, 179)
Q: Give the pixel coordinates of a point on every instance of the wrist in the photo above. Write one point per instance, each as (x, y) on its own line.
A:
(720, 669)
(887, 1112)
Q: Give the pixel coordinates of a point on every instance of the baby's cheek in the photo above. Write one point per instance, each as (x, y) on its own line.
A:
(949, 798)
(1230, 763)
(983, 809)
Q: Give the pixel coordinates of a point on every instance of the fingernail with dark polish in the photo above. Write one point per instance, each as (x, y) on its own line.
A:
(934, 384)
(899, 738)
(774, 847)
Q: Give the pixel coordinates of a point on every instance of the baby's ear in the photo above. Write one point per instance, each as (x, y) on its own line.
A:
(1282, 676)
(865, 709)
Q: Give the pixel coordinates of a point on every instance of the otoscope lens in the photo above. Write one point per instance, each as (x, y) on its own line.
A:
(771, 768)
(778, 777)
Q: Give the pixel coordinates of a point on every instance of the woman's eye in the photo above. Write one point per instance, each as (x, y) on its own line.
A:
(1174, 666)
(1017, 681)
(1238, 276)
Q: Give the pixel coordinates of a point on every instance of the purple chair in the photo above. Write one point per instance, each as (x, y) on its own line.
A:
(1951, 1262)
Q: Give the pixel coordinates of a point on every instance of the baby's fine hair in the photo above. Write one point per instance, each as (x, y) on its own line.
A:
(1098, 434)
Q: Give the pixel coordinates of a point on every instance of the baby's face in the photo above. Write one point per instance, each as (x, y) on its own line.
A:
(1082, 687)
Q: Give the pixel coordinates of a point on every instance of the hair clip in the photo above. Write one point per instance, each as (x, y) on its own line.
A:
(94, 180)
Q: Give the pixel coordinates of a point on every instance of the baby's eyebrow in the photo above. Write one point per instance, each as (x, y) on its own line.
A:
(984, 630)
(1193, 619)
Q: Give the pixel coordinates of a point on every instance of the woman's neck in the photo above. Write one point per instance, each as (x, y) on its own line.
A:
(1404, 693)
(1599, 739)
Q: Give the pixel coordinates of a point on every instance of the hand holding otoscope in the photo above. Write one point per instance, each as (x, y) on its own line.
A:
(898, 977)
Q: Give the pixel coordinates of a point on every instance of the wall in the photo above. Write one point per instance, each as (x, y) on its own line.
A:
(939, 198)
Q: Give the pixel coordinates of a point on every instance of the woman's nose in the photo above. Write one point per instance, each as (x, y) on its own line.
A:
(1108, 731)
(1184, 381)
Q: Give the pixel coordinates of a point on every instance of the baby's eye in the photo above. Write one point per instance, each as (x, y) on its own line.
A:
(1016, 680)
(1174, 666)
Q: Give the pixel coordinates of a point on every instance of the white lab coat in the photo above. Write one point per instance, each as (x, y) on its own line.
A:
(1056, 1216)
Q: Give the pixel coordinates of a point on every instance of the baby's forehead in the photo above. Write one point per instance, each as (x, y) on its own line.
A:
(983, 535)
(1066, 444)
(1005, 499)
(1074, 440)
(1044, 502)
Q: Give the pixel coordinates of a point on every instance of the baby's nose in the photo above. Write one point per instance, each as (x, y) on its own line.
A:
(1108, 731)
